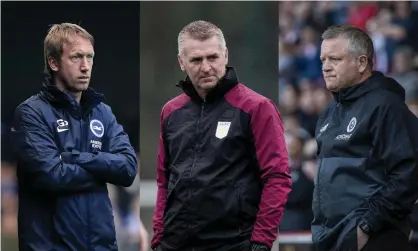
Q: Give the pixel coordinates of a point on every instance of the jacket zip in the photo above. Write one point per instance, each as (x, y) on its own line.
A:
(339, 99)
(319, 190)
(196, 150)
(318, 195)
(82, 147)
(197, 142)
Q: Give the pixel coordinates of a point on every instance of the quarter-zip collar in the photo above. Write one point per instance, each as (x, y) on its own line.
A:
(89, 99)
(225, 84)
(376, 81)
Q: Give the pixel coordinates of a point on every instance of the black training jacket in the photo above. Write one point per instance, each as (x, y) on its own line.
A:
(367, 164)
(223, 173)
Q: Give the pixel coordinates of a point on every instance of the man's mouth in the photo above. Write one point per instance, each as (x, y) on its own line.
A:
(207, 78)
(83, 80)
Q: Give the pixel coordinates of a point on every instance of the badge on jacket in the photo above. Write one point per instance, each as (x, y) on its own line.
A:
(97, 128)
(222, 129)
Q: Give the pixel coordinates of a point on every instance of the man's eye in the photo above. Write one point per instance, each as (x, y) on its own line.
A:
(90, 57)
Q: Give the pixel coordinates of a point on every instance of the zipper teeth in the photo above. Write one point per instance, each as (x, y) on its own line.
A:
(82, 148)
(320, 166)
(319, 189)
(197, 142)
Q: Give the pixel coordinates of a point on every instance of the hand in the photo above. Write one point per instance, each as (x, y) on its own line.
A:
(143, 237)
(362, 239)
(259, 247)
(143, 241)
(158, 248)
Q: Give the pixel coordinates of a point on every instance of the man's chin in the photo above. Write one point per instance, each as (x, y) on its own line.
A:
(82, 86)
(78, 88)
(207, 85)
(332, 87)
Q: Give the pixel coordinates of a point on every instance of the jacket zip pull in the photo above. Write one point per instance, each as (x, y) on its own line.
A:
(339, 99)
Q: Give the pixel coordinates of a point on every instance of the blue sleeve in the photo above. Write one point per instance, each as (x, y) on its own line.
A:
(38, 157)
(118, 166)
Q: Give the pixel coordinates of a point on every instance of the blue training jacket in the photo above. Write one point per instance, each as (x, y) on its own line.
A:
(66, 153)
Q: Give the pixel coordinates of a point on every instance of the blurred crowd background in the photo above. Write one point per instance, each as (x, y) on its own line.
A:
(393, 26)
(115, 73)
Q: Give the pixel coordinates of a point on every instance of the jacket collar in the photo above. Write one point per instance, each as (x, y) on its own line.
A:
(376, 81)
(225, 84)
(89, 99)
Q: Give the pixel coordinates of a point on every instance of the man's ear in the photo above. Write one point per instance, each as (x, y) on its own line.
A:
(226, 56)
(362, 63)
(53, 64)
(183, 69)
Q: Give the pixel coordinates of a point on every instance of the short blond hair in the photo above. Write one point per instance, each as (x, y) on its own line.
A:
(200, 30)
(57, 35)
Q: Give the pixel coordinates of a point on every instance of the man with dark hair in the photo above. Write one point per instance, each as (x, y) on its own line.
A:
(223, 175)
(68, 145)
(366, 181)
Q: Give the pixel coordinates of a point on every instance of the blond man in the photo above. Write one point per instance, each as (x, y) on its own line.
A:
(68, 145)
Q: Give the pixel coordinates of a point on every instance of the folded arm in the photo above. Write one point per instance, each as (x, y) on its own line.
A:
(118, 166)
(39, 159)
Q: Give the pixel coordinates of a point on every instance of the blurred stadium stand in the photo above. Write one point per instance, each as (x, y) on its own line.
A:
(393, 27)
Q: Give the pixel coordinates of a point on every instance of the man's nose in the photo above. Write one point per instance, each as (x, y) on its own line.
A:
(326, 67)
(85, 65)
(205, 67)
